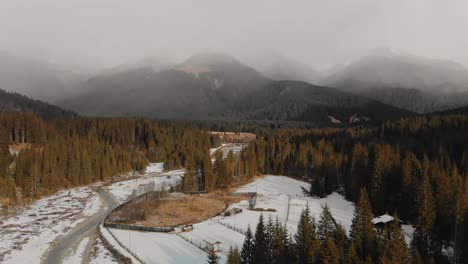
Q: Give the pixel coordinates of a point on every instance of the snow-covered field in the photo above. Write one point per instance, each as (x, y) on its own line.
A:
(25, 236)
(160, 247)
(283, 194)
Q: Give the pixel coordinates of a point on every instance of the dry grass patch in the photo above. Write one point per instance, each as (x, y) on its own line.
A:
(176, 209)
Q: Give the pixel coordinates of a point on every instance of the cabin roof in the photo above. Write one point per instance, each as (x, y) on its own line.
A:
(383, 219)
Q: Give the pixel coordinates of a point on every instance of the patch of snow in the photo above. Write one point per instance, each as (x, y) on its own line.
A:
(93, 206)
(275, 185)
(408, 231)
(213, 150)
(125, 190)
(211, 231)
(13, 152)
(160, 248)
(108, 236)
(341, 209)
(27, 235)
(155, 167)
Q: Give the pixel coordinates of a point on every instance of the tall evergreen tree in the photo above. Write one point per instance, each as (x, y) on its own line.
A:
(307, 245)
(248, 247)
(326, 228)
(395, 249)
(233, 256)
(261, 246)
(425, 220)
(362, 230)
(4, 151)
(329, 253)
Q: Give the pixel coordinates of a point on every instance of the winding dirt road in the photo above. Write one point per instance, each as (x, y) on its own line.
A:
(65, 245)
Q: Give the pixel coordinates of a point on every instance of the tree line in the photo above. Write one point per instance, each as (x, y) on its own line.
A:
(74, 151)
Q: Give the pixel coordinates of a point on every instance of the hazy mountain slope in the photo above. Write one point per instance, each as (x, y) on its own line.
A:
(36, 78)
(460, 110)
(200, 87)
(410, 82)
(416, 100)
(277, 67)
(216, 86)
(13, 102)
(293, 100)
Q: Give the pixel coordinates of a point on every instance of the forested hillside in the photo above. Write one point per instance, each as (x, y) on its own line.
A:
(74, 151)
(321, 106)
(14, 102)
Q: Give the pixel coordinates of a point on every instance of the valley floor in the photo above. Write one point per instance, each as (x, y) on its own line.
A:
(61, 228)
(281, 193)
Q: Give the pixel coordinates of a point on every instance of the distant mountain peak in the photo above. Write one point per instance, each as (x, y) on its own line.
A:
(212, 59)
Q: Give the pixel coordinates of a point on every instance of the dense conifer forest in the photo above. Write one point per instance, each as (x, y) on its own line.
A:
(415, 168)
(75, 151)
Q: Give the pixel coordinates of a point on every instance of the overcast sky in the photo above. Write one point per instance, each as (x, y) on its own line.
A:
(318, 33)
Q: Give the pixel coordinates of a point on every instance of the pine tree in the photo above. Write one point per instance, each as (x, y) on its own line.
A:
(341, 241)
(329, 253)
(307, 244)
(411, 174)
(425, 219)
(326, 226)
(362, 230)
(261, 247)
(4, 151)
(270, 233)
(213, 257)
(247, 253)
(234, 256)
(395, 249)
(352, 257)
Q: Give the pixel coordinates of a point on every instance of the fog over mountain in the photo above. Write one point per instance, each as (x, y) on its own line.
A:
(406, 81)
(106, 33)
(141, 55)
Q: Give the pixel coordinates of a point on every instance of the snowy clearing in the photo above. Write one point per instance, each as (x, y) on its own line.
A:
(275, 185)
(25, 236)
(160, 247)
(282, 194)
(106, 233)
